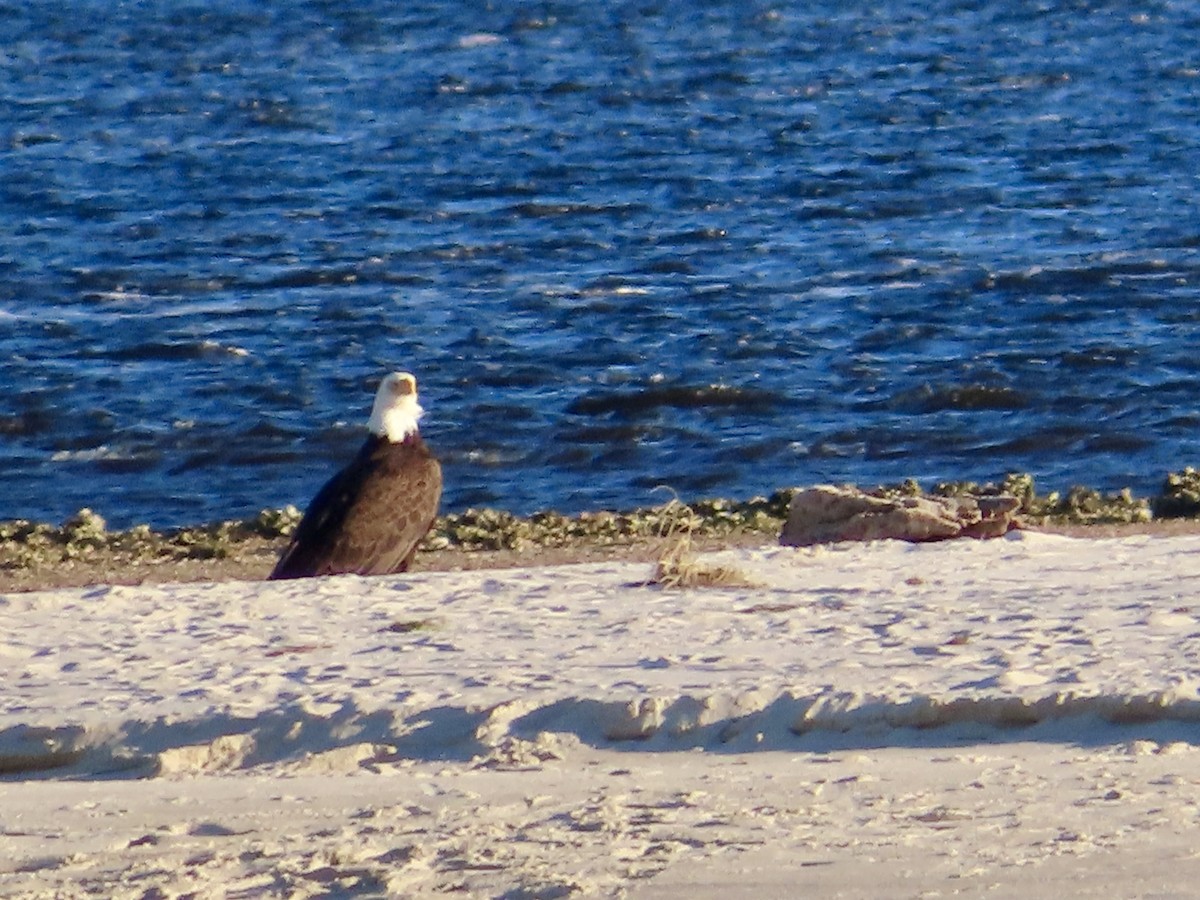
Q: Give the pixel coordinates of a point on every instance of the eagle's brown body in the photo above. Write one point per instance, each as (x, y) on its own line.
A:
(369, 518)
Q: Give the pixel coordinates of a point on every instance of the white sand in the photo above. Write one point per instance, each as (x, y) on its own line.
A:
(1013, 718)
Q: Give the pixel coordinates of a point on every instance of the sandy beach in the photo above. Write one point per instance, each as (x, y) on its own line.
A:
(1015, 717)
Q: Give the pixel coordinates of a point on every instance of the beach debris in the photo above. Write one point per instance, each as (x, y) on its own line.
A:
(828, 513)
(1180, 497)
(679, 565)
(494, 529)
(85, 526)
(272, 523)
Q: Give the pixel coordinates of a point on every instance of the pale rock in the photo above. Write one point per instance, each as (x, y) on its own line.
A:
(826, 514)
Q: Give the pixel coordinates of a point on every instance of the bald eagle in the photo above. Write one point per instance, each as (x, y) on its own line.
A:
(369, 517)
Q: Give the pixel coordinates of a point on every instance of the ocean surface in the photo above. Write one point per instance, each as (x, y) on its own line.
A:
(722, 247)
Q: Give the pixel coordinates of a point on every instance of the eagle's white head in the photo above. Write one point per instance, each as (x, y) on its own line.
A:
(396, 411)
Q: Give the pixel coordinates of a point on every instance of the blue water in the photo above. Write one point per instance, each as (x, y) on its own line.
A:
(720, 246)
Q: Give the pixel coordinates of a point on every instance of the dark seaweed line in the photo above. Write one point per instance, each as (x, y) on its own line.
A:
(24, 543)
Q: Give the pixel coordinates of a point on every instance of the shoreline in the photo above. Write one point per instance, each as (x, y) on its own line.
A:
(251, 558)
(82, 551)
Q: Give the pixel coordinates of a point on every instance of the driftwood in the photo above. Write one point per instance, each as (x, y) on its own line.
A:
(826, 513)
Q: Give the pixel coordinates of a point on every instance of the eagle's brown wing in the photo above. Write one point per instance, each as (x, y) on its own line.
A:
(369, 518)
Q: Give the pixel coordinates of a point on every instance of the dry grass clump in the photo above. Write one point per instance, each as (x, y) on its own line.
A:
(678, 565)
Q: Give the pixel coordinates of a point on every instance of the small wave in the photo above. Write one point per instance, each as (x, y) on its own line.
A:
(1098, 357)
(1069, 280)
(533, 210)
(169, 351)
(616, 433)
(306, 278)
(25, 139)
(109, 459)
(479, 39)
(969, 397)
(694, 236)
(93, 454)
(1117, 442)
(27, 424)
(713, 396)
